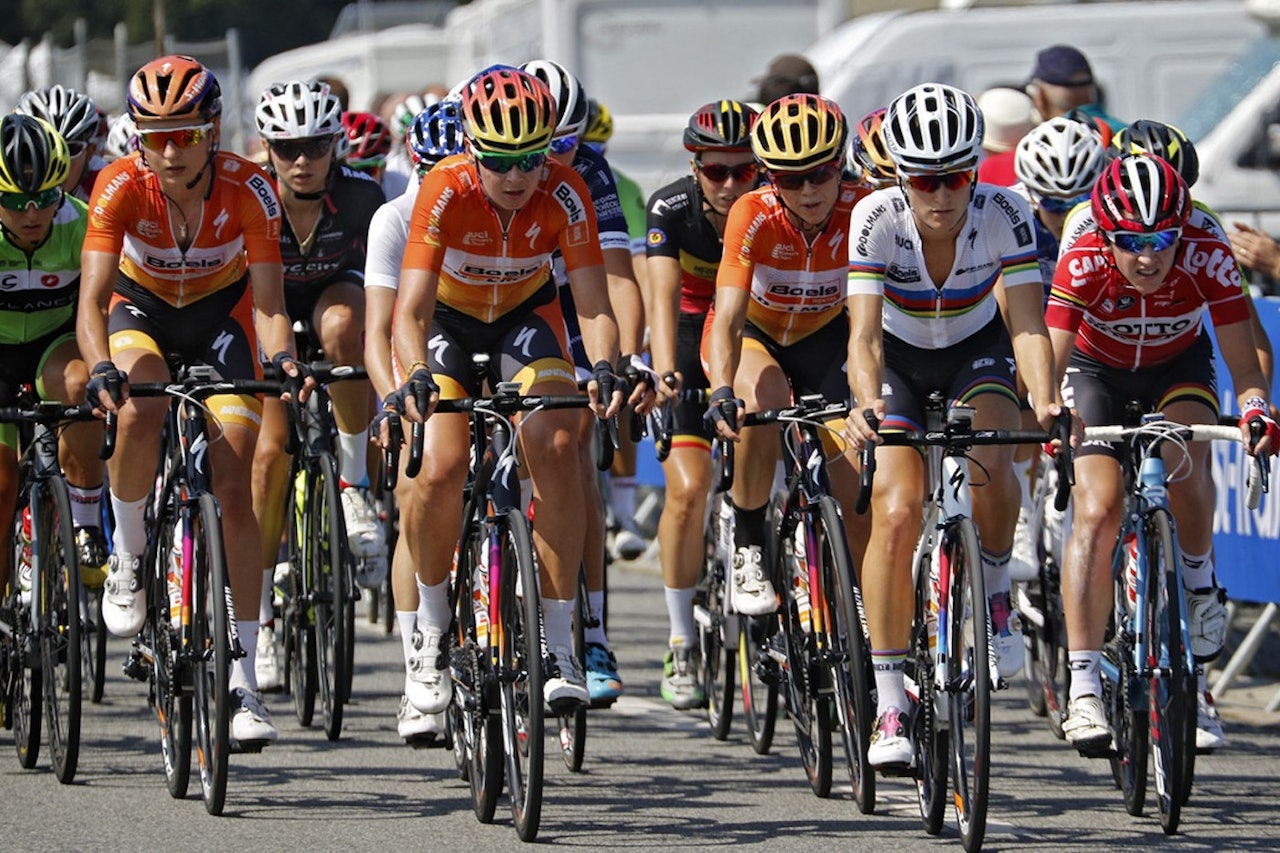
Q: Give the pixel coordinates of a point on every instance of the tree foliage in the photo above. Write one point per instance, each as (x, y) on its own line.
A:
(188, 20)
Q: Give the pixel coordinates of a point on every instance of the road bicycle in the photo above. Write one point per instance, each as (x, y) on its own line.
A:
(41, 627)
(188, 641)
(818, 649)
(496, 652)
(1149, 678)
(319, 589)
(951, 667)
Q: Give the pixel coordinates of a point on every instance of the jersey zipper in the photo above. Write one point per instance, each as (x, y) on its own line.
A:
(1142, 335)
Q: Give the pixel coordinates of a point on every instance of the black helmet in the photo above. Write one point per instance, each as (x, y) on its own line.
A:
(33, 155)
(1162, 140)
(720, 126)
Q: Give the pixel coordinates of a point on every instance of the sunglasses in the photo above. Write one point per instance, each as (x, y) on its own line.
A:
(1135, 242)
(564, 144)
(502, 163)
(1059, 206)
(932, 183)
(21, 202)
(313, 148)
(797, 180)
(180, 137)
(75, 149)
(718, 173)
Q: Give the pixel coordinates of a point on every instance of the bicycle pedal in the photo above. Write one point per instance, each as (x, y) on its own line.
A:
(602, 704)
(1104, 750)
(427, 741)
(897, 770)
(563, 706)
(243, 747)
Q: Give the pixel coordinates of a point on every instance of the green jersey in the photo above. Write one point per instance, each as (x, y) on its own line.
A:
(38, 291)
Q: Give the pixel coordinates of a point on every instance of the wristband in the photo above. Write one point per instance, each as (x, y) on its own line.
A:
(1254, 403)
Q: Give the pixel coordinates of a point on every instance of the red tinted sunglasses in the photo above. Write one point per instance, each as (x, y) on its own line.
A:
(718, 173)
(932, 183)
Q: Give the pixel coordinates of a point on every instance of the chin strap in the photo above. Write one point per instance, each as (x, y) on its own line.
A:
(213, 150)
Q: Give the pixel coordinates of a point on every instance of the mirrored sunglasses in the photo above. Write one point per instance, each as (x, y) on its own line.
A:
(503, 163)
(932, 183)
(797, 180)
(22, 201)
(1135, 242)
(718, 173)
(313, 148)
(564, 144)
(180, 137)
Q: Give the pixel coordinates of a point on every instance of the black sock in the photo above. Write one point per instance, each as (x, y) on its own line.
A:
(749, 526)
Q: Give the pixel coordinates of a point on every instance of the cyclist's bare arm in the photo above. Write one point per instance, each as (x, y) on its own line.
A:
(98, 271)
(1063, 342)
(725, 344)
(664, 287)
(274, 328)
(1236, 343)
(1261, 341)
(379, 304)
(1032, 349)
(866, 362)
(624, 295)
(415, 306)
(599, 326)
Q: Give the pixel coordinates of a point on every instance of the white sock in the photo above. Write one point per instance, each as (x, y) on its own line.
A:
(242, 671)
(130, 536)
(594, 630)
(353, 465)
(1086, 674)
(680, 613)
(266, 607)
(891, 690)
(86, 505)
(433, 607)
(1197, 570)
(623, 499)
(995, 572)
(408, 621)
(557, 617)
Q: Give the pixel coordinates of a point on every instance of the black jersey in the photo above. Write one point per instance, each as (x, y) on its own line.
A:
(338, 245)
(679, 228)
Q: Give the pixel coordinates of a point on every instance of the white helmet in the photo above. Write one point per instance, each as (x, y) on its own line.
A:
(72, 114)
(297, 110)
(933, 128)
(572, 108)
(122, 138)
(1060, 157)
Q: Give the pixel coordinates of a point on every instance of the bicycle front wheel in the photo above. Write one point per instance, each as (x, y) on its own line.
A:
(93, 639)
(573, 722)
(808, 700)
(211, 653)
(1172, 683)
(24, 693)
(59, 620)
(760, 675)
(968, 681)
(299, 632)
(333, 609)
(170, 686)
(929, 724)
(522, 675)
(847, 653)
(715, 642)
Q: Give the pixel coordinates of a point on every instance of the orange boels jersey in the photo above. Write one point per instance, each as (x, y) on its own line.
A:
(796, 287)
(129, 216)
(486, 271)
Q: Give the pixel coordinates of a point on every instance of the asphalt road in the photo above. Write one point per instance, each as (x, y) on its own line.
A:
(654, 779)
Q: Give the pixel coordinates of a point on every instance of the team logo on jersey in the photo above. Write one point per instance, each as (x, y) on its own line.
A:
(1022, 233)
(571, 202)
(1124, 303)
(1212, 261)
(783, 252)
(266, 195)
(477, 238)
(657, 237)
(148, 228)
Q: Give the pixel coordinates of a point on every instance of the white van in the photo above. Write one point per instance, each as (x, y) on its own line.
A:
(1150, 58)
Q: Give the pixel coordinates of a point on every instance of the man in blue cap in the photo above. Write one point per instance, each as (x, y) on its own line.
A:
(1062, 81)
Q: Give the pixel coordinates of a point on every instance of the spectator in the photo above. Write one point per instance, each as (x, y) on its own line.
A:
(1061, 81)
(337, 88)
(1007, 115)
(787, 74)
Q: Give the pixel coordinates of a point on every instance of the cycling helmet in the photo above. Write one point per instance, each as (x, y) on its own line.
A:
(298, 110)
(368, 139)
(72, 114)
(599, 123)
(405, 111)
(570, 99)
(174, 87)
(33, 155)
(1099, 125)
(1162, 140)
(869, 150)
(720, 126)
(122, 138)
(1060, 157)
(509, 112)
(436, 132)
(1140, 192)
(933, 128)
(798, 132)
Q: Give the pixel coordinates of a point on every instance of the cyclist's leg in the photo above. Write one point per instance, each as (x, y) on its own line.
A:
(681, 544)
(63, 376)
(1087, 588)
(603, 682)
(270, 476)
(132, 468)
(761, 384)
(338, 320)
(8, 498)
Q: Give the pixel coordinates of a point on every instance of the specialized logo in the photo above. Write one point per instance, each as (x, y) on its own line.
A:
(219, 221)
(221, 344)
(522, 340)
(266, 195)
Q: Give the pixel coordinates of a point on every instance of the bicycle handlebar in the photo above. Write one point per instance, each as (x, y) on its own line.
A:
(811, 408)
(51, 412)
